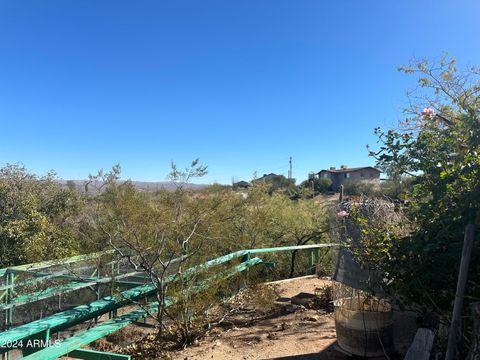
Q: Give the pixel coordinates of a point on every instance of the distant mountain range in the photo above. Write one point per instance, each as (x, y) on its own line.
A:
(140, 185)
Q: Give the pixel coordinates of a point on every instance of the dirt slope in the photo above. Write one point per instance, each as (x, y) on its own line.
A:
(292, 332)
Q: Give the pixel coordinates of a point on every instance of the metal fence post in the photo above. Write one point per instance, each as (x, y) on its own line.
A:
(10, 279)
(313, 259)
(9, 311)
(316, 254)
(245, 258)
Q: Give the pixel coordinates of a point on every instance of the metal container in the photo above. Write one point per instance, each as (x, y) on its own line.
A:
(364, 326)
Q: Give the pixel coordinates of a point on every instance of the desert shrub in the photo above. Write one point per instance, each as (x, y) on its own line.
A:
(323, 185)
(276, 183)
(372, 228)
(258, 296)
(167, 233)
(397, 188)
(320, 185)
(161, 234)
(439, 145)
(38, 217)
(360, 188)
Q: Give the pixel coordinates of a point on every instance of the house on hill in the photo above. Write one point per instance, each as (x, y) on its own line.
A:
(346, 175)
(269, 177)
(276, 181)
(241, 185)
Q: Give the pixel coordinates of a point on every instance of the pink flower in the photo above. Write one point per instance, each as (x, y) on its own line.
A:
(342, 214)
(371, 153)
(428, 112)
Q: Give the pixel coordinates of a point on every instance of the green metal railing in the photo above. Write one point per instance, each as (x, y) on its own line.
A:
(41, 330)
(46, 264)
(33, 278)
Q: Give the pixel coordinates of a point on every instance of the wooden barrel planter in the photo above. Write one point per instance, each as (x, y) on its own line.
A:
(364, 326)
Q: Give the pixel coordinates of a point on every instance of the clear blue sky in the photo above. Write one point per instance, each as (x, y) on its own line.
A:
(241, 84)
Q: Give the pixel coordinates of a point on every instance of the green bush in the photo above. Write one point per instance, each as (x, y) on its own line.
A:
(37, 217)
(320, 185)
(439, 145)
(360, 188)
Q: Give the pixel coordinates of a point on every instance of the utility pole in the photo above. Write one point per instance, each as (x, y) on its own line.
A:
(290, 170)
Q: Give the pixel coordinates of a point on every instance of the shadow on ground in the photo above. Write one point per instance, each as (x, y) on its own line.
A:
(330, 353)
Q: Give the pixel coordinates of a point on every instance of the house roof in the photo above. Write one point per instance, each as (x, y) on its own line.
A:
(241, 183)
(267, 176)
(345, 170)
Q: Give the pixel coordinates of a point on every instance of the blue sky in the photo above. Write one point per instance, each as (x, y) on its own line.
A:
(242, 85)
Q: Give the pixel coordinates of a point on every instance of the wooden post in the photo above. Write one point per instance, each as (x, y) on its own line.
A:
(462, 280)
(341, 193)
(475, 348)
(421, 345)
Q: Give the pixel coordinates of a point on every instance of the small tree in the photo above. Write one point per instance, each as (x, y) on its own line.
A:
(439, 145)
(162, 235)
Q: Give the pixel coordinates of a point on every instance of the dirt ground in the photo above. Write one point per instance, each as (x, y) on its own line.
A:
(288, 333)
(304, 334)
